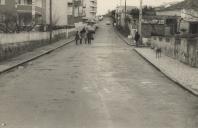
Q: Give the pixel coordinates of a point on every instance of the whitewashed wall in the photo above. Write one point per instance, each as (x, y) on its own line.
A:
(30, 36)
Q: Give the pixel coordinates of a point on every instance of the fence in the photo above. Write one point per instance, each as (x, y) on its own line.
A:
(32, 36)
(18, 43)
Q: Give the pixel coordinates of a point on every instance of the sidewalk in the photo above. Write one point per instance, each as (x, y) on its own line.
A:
(183, 75)
(180, 73)
(29, 56)
(125, 39)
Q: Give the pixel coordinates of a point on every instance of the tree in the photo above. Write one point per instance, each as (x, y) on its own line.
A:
(112, 14)
(9, 22)
(146, 11)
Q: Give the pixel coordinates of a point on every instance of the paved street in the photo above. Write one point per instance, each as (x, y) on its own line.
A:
(103, 85)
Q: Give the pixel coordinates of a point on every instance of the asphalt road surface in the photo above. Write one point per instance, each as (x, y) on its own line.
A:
(103, 85)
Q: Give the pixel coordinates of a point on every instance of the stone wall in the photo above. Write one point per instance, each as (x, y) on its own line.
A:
(184, 49)
(15, 44)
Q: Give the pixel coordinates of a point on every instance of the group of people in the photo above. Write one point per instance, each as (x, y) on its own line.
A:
(84, 35)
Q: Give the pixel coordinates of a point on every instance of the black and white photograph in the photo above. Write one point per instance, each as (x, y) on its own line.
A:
(98, 63)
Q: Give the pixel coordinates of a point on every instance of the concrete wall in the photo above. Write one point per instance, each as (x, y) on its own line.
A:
(166, 43)
(31, 36)
(14, 44)
(184, 49)
(169, 13)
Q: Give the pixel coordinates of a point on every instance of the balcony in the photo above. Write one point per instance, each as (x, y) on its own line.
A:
(38, 10)
(93, 1)
(24, 8)
(70, 4)
(92, 11)
(29, 9)
(93, 5)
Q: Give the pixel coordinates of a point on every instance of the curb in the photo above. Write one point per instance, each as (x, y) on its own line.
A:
(34, 57)
(121, 37)
(169, 77)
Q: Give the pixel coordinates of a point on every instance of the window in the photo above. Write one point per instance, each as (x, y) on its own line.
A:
(194, 28)
(19, 2)
(2, 2)
(2, 18)
(160, 39)
(167, 40)
(38, 3)
(24, 2)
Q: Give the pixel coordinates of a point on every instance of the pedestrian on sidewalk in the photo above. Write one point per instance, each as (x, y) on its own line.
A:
(137, 38)
(77, 37)
(114, 23)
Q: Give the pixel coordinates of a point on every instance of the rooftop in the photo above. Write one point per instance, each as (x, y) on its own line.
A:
(127, 7)
(186, 4)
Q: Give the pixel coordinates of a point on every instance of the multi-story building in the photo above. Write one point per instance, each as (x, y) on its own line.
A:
(59, 12)
(75, 11)
(90, 8)
(27, 12)
(30, 11)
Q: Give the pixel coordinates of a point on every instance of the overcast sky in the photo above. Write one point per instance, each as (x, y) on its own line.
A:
(105, 5)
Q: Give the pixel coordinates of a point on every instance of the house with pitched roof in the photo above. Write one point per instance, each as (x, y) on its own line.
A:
(187, 11)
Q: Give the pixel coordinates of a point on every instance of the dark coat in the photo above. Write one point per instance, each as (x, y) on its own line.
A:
(137, 36)
(90, 35)
(77, 37)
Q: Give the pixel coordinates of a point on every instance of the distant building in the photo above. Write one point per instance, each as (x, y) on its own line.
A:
(187, 11)
(90, 7)
(170, 10)
(120, 14)
(75, 11)
(59, 12)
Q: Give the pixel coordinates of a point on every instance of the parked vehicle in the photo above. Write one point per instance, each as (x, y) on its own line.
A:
(100, 18)
(108, 23)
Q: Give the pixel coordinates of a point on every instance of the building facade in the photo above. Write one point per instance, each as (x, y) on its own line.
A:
(59, 12)
(90, 7)
(27, 12)
(32, 12)
(75, 11)
(187, 12)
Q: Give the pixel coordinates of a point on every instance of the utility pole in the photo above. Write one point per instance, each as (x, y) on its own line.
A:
(50, 20)
(140, 22)
(125, 10)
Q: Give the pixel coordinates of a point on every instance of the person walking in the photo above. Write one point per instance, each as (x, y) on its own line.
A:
(86, 39)
(83, 34)
(89, 36)
(137, 38)
(77, 37)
